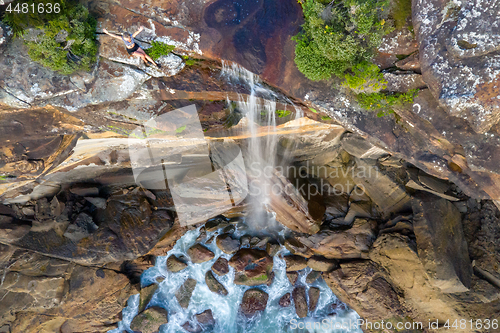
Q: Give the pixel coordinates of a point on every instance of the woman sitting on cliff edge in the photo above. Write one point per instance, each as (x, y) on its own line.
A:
(132, 47)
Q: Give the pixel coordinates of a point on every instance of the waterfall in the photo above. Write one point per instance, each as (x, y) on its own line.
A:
(261, 154)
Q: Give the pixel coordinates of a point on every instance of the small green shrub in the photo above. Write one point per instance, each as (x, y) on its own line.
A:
(283, 113)
(384, 102)
(77, 51)
(365, 77)
(159, 49)
(400, 12)
(337, 36)
(190, 62)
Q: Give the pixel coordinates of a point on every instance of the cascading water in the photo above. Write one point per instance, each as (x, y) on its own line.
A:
(259, 110)
(329, 311)
(260, 153)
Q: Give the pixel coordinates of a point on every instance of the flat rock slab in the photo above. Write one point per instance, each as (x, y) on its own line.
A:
(441, 243)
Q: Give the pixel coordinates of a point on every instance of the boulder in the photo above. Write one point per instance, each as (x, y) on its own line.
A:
(253, 267)
(345, 244)
(300, 301)
(272, 248)
(150, 320)
(200, 254)
(313, 298)
(205, 318)
(312, 277)
(227, 244)
(445, 258)
(146, 294)
(214, 285)
(292, 277)
(174, 264)
(285, 300)
(321, 264)
(183, 294)
(215, 224)
(295, 263)
(220, 266)
(253, 301)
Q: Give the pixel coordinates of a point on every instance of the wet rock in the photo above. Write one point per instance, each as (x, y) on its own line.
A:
(285, 300)
(292, 277)
(272, 248)
(192, 327)
(227, 243)
(175, 264)
(346, 244)
(322, 264)
(199, 254)
(300, 301)
(312, 277)
(184, 293)
(253, 301)
(146, 295)
(293, 245)
(206, 318)
(295, 263)
(214, 285)
(215, 224)
(150, 320)
(313, 298)
(291, 209)
(445, 258)
(229, 229)
(220, 266)
(253, 267)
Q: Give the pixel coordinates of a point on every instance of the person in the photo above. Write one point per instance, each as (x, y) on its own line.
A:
(132, 47)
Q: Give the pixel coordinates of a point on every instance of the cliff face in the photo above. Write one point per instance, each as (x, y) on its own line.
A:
(70, 200)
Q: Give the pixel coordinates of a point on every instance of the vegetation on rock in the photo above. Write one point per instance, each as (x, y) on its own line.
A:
(66, 41)
(365, 77)
(159, 49)
(339, 35)
(400, 12)
(384, 102)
